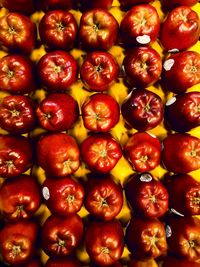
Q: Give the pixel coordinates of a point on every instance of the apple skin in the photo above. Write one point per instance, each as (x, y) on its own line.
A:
(99, 70)
(184, 194)
(181, 29)
(17, 74)
(17, 114)
(143, 151)
(143, 67)
(94, 25)
(24, 39)
(142, 109)
(185, 150)
(100, 152)
(100, 113)
(183, 72)
(57, 112)
(58, 154)
(58, 30)
(57, 70)
(16, 155)
(132, 28)
(181, 112)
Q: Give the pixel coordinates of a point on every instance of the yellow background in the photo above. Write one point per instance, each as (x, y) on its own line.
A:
(119, 91)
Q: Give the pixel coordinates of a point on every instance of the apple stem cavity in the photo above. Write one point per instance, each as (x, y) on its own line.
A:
(105, 250)
(16, 250)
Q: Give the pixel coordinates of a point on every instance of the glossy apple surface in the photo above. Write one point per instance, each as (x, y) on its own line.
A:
(100, 113)
(181, 29)
(58, 29)
(17, 33)
(143, 151)
(63, 196)
(185, 150)
(142, 109)
(57, 112)
(99, 70)
(140, 25)
(58, 154)
(104, 198)
(61, 235)
(181, 71)
(15, 155)
(182, 112)
(104, 242)
(143, 66)
(57, 70)
(100, 152)
(147, 196)
(98, 29)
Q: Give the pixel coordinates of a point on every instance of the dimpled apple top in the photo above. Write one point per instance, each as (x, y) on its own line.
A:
(17, 33)
(58, 154)
(100, 113)
(57, 112)
(20, 197)
(183, 71)
(142, 109)
(16, 74)
(99, 70)
(143, 66)
(146, 238)
(17, 114)
(182, 112)
(181, 29)
(181, 153)
(98, 29)
(58, 29)
(15, 155)
(57, 70)
(140, 25)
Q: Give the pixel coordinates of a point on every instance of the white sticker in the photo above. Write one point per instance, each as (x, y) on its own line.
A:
(162, 147)
(152, 135)
(146, 177)
(171, 101)
(177, 213)
(168, 64)
(168, 231)
(143, 39)
(45, 193)
(174, 50)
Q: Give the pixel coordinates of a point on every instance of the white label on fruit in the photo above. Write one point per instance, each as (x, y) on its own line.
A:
(168, 64)
(174, 50)
(177, 213)
(152, 135)
(168, 231)
(171, 101)
(143, 39)
(162, 147)
(45, 193)
(146, 177)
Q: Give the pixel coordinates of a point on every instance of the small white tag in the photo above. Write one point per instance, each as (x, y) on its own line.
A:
(152, 135)
(177, 213)
(168, 64)
(143, 39)
(168, 231)
(171, 101)
(162, 147)
(45, 193)
(174, 50)
(146, 177)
